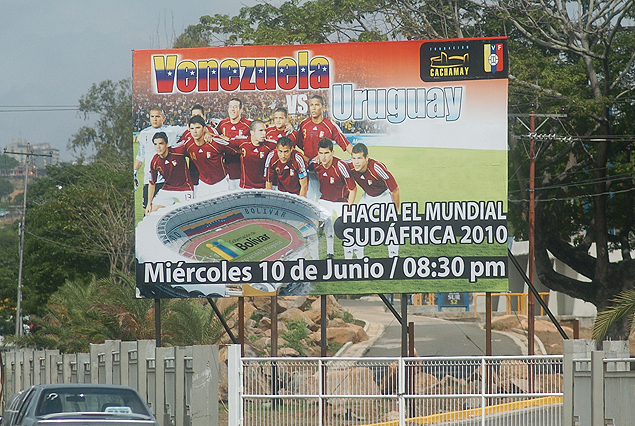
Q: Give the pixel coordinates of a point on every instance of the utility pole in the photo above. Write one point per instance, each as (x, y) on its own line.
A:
(531, 219)
(22, 231)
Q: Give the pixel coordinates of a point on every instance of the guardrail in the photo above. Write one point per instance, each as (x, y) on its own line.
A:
(521, 302)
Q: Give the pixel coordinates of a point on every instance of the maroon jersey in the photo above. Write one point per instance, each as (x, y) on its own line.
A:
(173, 168)
(208, 158)
(310, 134)
(375, 180)
(237, 134)
(273, 134)
(335, 182)
(252, 163)
(286, 175)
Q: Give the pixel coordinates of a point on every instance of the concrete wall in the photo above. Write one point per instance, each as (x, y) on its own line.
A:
(179, 384)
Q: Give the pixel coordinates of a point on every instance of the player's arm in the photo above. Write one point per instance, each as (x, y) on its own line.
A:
(304, 186)
(395, 197)
(151, 189)
(352, 193)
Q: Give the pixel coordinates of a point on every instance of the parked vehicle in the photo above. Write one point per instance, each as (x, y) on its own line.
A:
(77, 403)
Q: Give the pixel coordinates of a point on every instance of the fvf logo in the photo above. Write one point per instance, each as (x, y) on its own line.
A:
(296, 104)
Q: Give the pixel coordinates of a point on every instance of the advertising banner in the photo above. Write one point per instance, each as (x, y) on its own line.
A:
(344, 168)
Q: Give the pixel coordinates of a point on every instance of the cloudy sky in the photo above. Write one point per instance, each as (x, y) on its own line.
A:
(52, 51)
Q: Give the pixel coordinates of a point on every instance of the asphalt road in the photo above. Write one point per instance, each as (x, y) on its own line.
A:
(433, 336)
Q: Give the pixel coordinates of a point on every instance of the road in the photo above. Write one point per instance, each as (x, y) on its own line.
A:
(433, 336)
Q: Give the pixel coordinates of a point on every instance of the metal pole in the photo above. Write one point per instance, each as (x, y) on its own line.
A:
(532, 228)
(488, 324)
(157, 321)
(241, 324)
(18, 309)
(404, 325)
(323, 324)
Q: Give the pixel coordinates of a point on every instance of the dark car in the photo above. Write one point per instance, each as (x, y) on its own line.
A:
(78, 403)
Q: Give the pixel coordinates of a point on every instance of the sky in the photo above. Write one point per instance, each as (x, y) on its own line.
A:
(51, 52)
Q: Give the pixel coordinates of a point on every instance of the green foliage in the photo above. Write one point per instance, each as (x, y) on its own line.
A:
(6, 187)
(292, 23)
(111, 135)
(295, 336)
(80, 313)
(622, 308)
(79, 220)
(192, 322)
(7, 162)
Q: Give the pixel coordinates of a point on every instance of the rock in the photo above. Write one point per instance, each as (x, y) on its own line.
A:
(288, 352)
(262, 303)
(297, 315)
(348, 333)
(265, 323)
(336, 322)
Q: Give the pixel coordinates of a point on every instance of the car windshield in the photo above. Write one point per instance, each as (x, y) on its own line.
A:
(82, 400)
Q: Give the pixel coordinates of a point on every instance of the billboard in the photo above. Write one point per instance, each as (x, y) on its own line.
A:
(344, 168)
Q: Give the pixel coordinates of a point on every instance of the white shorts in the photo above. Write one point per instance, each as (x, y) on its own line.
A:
(167, 198)
(384, 198)
(333, 207)
(313, 192)
(205, 190)
(234, 184)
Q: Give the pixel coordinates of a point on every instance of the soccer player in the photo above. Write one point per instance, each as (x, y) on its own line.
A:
(253, 155)
(198, 109)
(235, 130)
(317, 127)
(379, 185)
(281, 126)
(286, 168)
(337, 188)
(312, 130)
(146, 149)
(170, 162)
(207, 157)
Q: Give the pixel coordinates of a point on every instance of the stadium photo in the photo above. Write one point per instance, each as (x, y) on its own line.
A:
(239, 226)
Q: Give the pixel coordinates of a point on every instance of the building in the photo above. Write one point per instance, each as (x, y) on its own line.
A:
(45, 154)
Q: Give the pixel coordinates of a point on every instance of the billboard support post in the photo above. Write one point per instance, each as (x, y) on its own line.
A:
(488, 324)
(404, 325)
(241, 324)
(157, 321)
(274, 326)
(323, 321)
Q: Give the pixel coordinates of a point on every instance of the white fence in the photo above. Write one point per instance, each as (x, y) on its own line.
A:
(599, 385)
(395, 391)
(180, 384)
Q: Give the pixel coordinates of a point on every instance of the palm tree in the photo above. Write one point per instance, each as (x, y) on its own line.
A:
(623, 307)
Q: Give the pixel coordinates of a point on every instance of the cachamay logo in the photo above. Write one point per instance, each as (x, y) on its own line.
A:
(467, 59)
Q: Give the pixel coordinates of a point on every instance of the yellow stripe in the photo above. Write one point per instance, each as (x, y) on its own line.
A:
(476, 412)
(219, 252)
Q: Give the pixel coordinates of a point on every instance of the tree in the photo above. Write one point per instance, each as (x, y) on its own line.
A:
(78, 225)
(585, 194)
(8, 163)
(111, 136)
(6, 188)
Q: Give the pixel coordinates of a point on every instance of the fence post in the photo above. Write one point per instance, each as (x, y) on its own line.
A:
(234, 387)
(597, 387)
(402, 391)
(205, 385)
(567, 382)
